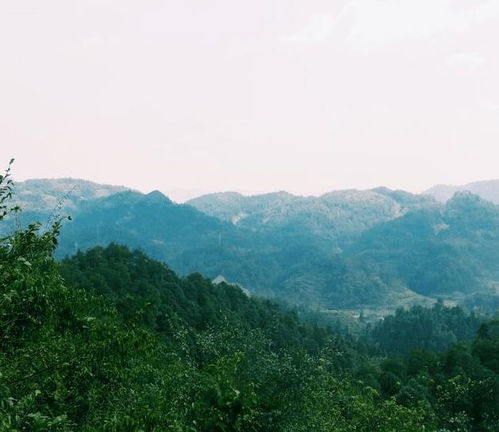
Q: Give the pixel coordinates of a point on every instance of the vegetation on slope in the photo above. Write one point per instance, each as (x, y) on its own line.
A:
(134, 347)
(345, 250)
(451, 252)
(433, 329)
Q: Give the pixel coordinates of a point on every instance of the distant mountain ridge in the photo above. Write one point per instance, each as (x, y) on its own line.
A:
(150, 222)
(47, 194)
(371, 250)
(487, 189)
(338, 216)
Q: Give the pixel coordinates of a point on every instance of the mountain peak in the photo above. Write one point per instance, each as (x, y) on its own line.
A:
(158, 197)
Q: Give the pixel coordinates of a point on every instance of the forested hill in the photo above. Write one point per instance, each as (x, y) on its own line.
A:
(150, 221)
(126, 345)
(373, 250)
(453, 251)
(433, 329)
(148, 292)
(338, 216)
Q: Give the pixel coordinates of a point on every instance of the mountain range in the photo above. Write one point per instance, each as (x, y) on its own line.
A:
(349, 250)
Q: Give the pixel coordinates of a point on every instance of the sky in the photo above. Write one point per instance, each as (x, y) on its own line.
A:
(197, 96)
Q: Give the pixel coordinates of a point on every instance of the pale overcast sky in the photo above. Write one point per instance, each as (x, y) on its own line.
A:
(211, 95)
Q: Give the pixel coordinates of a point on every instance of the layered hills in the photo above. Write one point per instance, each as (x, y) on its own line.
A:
(111, 340)
(372, 250)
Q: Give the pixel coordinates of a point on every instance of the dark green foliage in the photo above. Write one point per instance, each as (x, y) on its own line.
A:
(423, 328)
(150, 294)
(127, 345)
(461, 385)
(69, 362)
(486, 346)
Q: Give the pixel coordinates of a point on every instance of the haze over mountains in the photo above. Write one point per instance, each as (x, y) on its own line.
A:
(335, 215)
(47, 194)
(487, 189)
(351, 250)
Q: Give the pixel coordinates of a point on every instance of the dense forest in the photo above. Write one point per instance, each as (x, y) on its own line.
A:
(429, 328)
(373, 250)
(111, 340)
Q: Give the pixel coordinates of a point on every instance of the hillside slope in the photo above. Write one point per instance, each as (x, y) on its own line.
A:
(45, 195)
(374, 250)
(124, 344)
(450, 252)
(337, 216)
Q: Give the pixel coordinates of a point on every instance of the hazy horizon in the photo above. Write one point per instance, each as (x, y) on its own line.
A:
(184, 195)
(252, 97)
